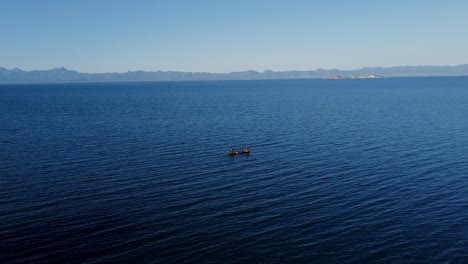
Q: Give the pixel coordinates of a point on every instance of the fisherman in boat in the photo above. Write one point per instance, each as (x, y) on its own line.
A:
(246, 150)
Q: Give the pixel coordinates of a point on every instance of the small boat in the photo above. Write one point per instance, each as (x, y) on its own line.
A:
(237, 152)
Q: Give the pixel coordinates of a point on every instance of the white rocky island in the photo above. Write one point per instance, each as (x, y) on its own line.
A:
(370, 76)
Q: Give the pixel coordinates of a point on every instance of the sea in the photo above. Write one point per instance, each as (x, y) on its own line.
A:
(340, 171)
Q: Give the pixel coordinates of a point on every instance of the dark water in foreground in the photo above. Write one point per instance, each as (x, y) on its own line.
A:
(340, 171)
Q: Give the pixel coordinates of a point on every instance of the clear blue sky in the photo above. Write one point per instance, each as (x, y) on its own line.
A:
(222, 36)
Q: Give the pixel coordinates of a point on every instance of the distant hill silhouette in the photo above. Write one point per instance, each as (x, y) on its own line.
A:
(62, 75)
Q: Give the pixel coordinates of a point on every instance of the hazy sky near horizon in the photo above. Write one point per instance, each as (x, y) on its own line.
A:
(224, 36)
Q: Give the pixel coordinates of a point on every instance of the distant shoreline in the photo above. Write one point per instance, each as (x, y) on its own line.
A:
(187, 81)
(63, 75)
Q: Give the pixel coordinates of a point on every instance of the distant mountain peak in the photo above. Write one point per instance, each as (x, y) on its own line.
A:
(60, 69)
(246, 72)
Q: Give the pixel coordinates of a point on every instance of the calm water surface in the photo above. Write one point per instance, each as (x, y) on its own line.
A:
(341, 171)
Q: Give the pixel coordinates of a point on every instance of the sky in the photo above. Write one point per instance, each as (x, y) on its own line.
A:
(225, 36)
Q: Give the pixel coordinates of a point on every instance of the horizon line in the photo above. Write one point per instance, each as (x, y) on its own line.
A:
(249, 70)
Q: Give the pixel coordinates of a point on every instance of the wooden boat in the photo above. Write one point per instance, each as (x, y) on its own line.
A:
(237, 152)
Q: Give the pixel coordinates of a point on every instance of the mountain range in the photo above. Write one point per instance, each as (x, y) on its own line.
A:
(62, 75)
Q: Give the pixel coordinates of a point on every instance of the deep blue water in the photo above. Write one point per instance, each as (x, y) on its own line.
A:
(369, 171)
